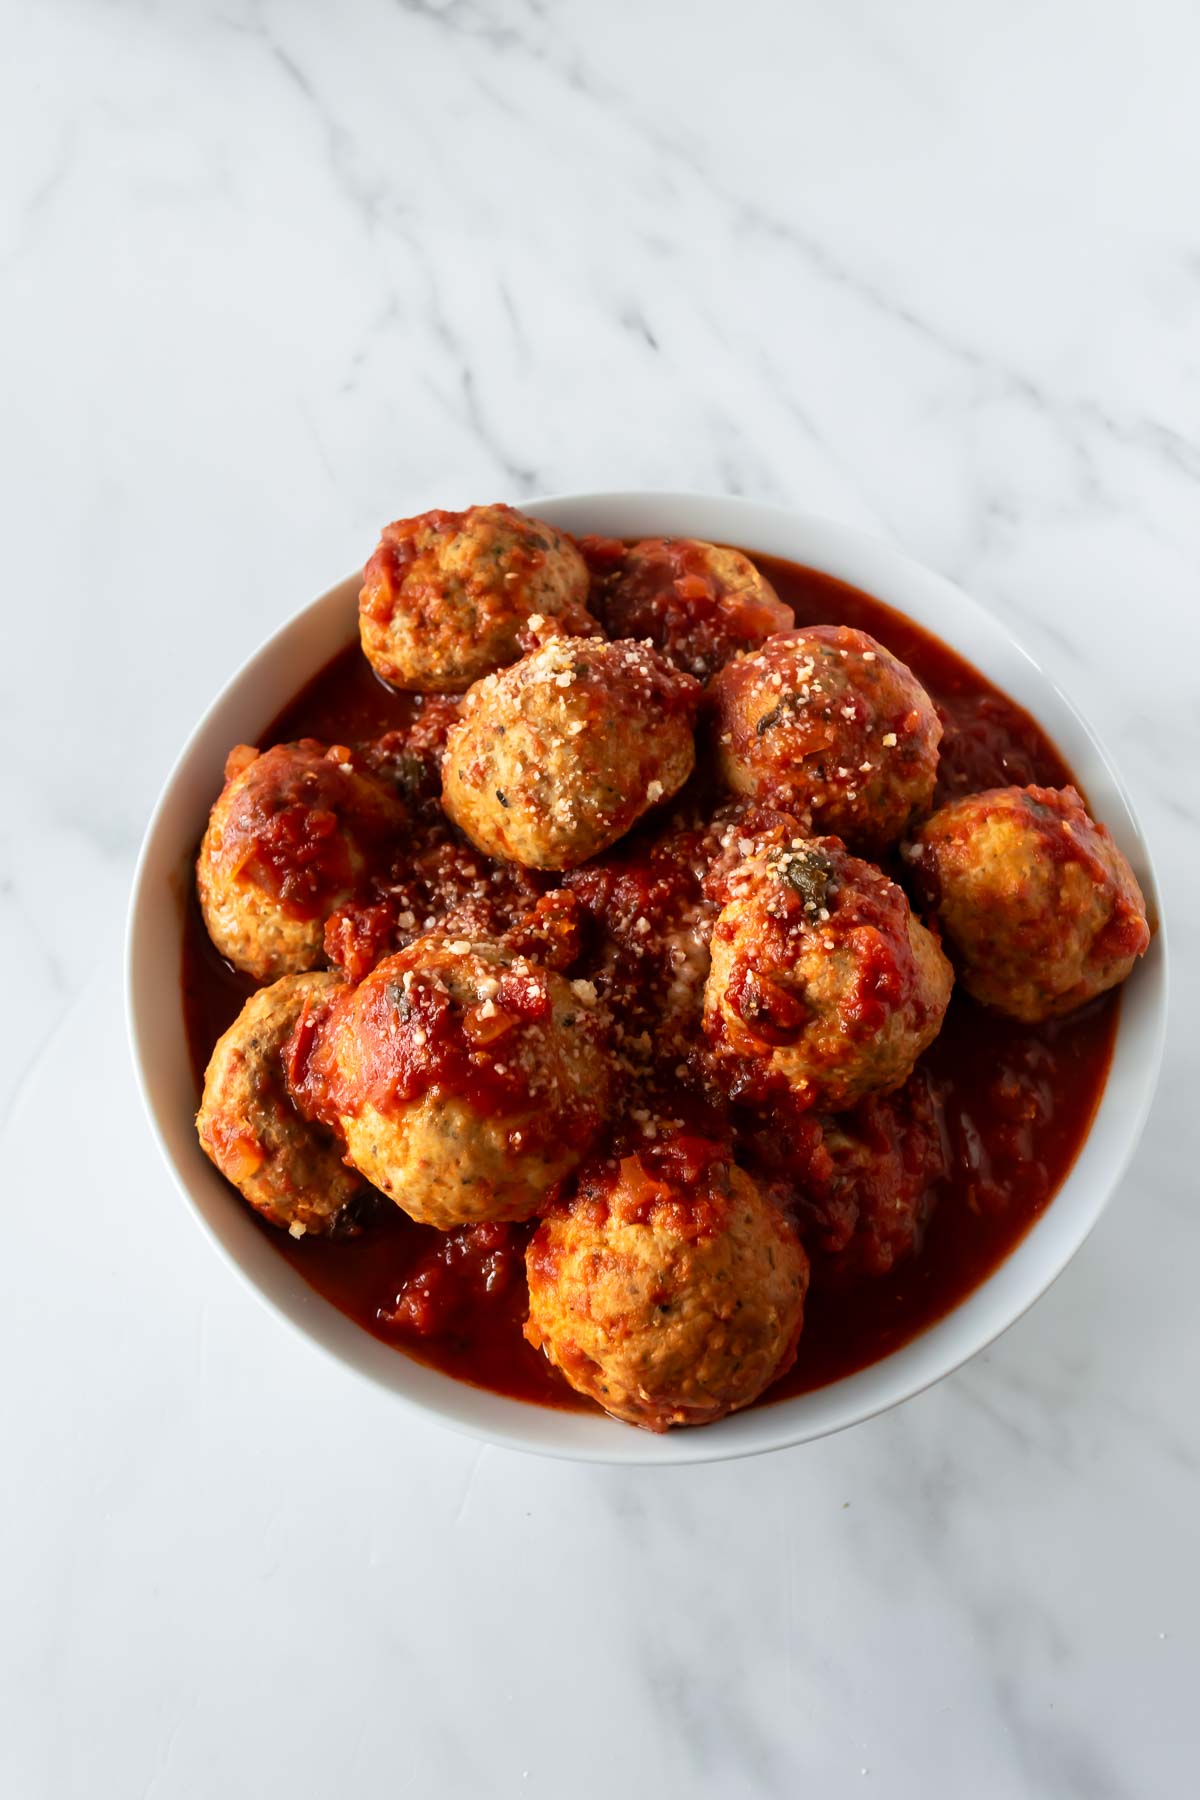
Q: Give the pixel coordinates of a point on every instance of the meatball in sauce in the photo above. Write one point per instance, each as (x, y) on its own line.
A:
(448, 597)
(822, 983)
(827, 722)
(464, 1080)
(559, 756)
(289, 1168)
(697, 603)
(293, 833)
(1042, 910)
(669, 1290)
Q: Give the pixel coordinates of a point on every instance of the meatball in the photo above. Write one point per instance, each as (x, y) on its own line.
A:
(649, 943)
(289, 839)
(288, 1168)
(699, 603)
(670, 1292)
(860, 1186)
(1040, 908)
(822, 983)
(827, 722)
(447, 596)
(553, 760)
(465, 1079)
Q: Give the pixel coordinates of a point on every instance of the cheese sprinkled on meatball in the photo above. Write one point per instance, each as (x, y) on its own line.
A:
(827, 722)
(557, 757)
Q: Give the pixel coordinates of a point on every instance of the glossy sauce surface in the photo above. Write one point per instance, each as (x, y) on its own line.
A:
(1013, 1103)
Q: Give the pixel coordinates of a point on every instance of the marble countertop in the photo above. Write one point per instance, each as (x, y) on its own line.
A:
(271, 274)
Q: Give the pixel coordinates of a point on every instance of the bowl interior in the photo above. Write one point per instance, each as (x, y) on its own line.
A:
(293, 655)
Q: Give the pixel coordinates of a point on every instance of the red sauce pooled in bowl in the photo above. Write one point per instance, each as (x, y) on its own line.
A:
(1009, 1105)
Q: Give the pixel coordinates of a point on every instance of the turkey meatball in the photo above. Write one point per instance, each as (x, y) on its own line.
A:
(289, 1168)
(288, 841)
(827, 722)
(466, 1080)
(822, 983)
(448, 596)
(1040, 908)
(554, 759)
(861, 1185)
(670, 1291)
(698, 603)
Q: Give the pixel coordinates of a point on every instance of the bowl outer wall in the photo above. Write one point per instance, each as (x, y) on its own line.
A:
(290, 657)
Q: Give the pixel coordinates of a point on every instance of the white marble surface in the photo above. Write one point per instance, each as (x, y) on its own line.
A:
(271, 273)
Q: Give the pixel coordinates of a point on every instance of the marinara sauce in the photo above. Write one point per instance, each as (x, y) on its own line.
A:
(1013, 1102)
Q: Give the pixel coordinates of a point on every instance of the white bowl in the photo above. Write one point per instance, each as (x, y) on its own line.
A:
(296, 652)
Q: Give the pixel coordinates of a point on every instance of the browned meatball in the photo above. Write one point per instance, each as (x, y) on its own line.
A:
(699, 603)
(822, 982)
(828, 723)
(448, 596)
(554, 759)
(860, 1185)
(1040, 908)
(670, 1292)
(290, 1170)
(287, 842)
(465, 1079)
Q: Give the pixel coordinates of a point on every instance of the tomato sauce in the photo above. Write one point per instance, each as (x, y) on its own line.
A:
(1012, 1103)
